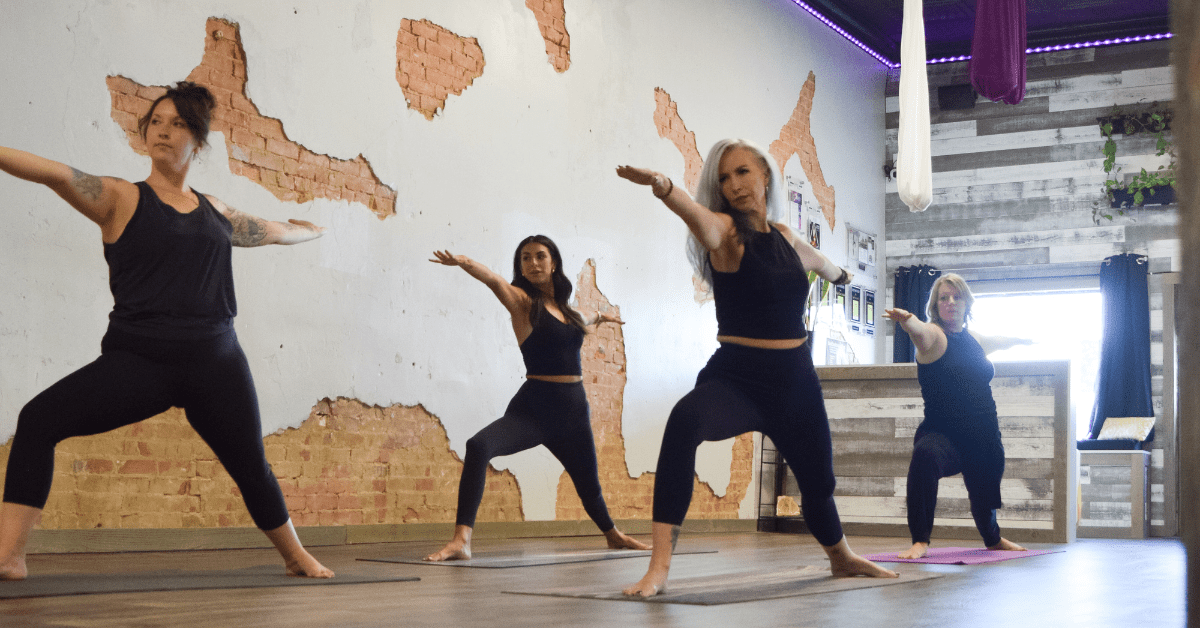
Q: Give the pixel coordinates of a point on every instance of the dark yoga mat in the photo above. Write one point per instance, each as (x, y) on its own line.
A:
(505, 560)
(959, 556)
(178, 580)
(731, 588)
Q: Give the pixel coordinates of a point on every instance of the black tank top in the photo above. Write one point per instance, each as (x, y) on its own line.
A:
(958, 393)
(552, 348)
(765, 297)
(170, 273)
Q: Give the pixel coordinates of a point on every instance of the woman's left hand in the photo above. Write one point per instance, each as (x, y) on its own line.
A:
(307, 225)
(603, 317)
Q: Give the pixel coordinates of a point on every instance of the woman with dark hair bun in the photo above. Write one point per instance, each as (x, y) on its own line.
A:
(551, 407)
(761, 378)
(170, 339)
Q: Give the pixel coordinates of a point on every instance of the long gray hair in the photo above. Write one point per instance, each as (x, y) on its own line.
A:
(708, 194)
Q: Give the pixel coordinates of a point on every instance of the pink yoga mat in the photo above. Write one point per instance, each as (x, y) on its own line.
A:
(959, 556)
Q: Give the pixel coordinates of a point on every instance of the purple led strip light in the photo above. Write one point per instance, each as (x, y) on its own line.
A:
(843, 33)
(1090, 44)
(1087, 44)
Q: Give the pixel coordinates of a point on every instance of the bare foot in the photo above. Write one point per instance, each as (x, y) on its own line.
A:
(16, 521)
(844, 563)
(14, 569)
(665, 536)
(858, 566)
(1006, 544)
(305, 566)
(619, 540)
(918, 550)
(454, 550)
(651, 584)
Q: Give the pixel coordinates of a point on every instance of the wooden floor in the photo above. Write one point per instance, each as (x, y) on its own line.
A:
(1095, 583)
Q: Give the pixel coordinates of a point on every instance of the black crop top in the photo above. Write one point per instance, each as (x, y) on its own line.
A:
(170, 273)
(552, 348)
(958, 393)
(765, 297)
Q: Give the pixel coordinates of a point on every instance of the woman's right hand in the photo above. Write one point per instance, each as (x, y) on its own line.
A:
(448, 259)
(897, 314)
(640, 176)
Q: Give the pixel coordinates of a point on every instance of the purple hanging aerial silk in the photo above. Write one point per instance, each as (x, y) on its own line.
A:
(998, 50)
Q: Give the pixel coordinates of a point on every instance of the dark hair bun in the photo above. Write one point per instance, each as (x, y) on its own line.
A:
(195, 94)
(193, 102)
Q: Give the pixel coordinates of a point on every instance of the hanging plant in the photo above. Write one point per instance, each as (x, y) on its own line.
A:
(1157, 185)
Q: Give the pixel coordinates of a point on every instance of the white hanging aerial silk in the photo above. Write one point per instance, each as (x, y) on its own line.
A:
(914, 166)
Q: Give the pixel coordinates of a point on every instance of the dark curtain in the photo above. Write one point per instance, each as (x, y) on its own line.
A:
(911, 293)
(1123, 384)
(997, 64)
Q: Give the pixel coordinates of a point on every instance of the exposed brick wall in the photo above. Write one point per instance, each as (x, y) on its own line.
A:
(796, 139)
(671, 126)
(347, 464)
(432, 63)
(604, 379)
(552, 22)
(258, 147)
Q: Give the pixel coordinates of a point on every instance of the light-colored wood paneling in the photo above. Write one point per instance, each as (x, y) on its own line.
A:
(1015, 188)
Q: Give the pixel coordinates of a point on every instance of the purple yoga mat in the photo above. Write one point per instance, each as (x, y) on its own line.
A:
(959, 556)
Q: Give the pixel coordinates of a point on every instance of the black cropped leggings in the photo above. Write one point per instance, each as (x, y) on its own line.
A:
(541, 413)
(935, 456)
(743, 389)
(135, 378)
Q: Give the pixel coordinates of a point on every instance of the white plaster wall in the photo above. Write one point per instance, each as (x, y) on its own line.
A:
(361, 313)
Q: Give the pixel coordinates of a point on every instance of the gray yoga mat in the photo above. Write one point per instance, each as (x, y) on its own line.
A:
(731, 588)
(51, 585)
(505, 560)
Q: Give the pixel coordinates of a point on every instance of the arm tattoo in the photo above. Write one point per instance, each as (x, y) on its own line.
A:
(88, 186)
(247, 230)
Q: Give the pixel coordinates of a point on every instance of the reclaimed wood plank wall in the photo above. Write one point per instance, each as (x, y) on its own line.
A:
(1015, 188)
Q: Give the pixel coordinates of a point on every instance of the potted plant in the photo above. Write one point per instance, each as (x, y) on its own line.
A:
(1154, 187)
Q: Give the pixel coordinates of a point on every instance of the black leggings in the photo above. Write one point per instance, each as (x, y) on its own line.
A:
(935, 456)
(743, 389)
(135, 378)
(541, 413)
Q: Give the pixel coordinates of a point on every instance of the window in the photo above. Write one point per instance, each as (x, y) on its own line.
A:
(1064, 325)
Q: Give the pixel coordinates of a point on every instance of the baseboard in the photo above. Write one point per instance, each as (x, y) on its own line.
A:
(165, 540)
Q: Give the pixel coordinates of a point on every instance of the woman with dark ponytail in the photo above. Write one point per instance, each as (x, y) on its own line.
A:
(170, 339)
(551, 407)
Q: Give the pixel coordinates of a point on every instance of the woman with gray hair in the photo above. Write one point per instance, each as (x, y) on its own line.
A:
(961, 431)
(762, 376)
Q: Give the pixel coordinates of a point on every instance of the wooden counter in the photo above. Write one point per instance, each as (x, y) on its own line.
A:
(873, 413)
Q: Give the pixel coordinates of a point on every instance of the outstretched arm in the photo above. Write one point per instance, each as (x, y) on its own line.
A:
(514, 299)
(992, 344)
(596, 318)
(813, 259)
(711, 228)
(254, 231)
(928, 338)
(95, 197)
